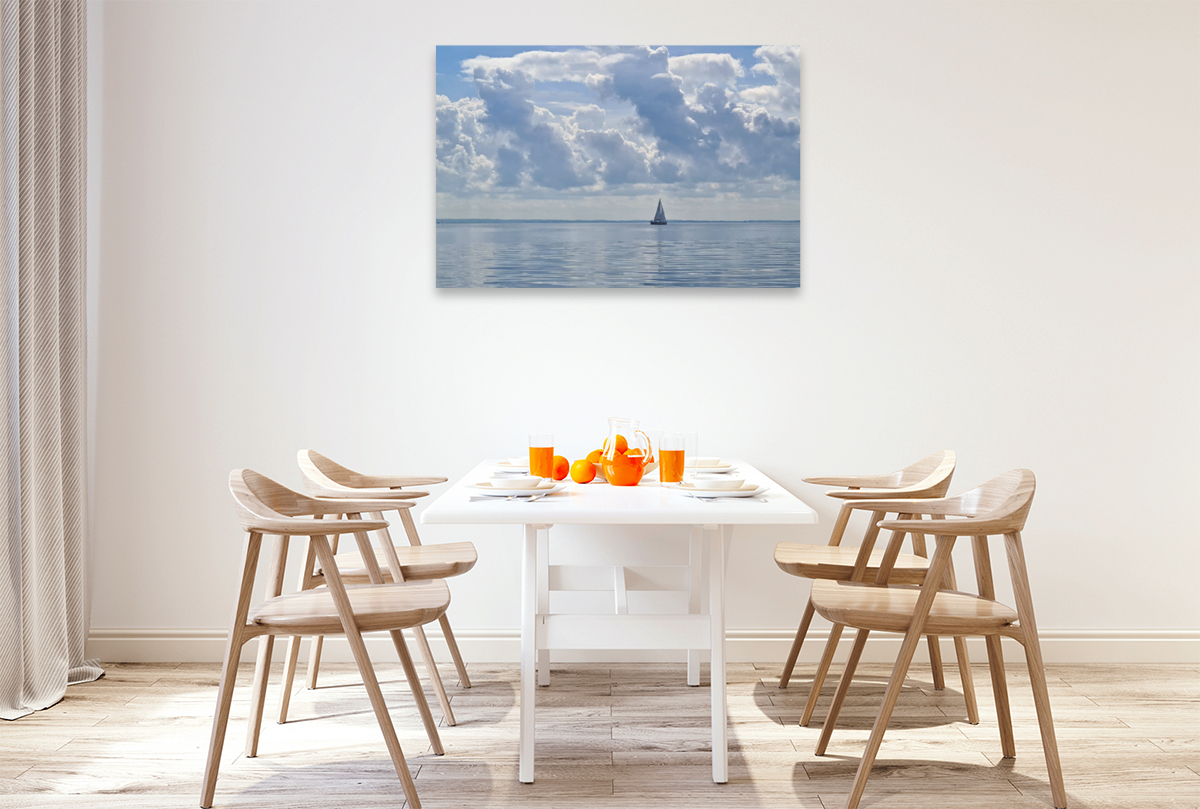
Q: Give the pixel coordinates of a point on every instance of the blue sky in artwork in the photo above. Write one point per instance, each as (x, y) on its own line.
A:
(572, 132)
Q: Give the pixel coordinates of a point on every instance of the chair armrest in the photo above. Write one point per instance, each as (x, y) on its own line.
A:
(949, 528)
(348, 505)
(855, 481)
(878, 494)
(360, 494)
(397, 481)
(915, 505)
(309, 528)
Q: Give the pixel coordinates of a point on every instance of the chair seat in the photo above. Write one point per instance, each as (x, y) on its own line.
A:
(376, 607)
(417, 562)
(889, 608)
(837, 563)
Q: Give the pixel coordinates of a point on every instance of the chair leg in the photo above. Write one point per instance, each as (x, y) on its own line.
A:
(434, 676)
(835, 634)
(790, 663)
(220, 722)
(314, 661)
(262, 666)
(258, 693)
(233, 651)
(374, 693)
(367, 672)
(935, 647)
(1037, 669)
(289, 676)
(839, 697)
(1008, 742)
(895, 685)
(464, 679)
(414, 684)
(964, 658)
(968, 682)
(935, 662)
(912, 638)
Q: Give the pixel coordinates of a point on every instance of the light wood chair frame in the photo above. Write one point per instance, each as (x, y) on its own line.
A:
(929, 477)
(326, 478)
(997, 508)
(267, 509)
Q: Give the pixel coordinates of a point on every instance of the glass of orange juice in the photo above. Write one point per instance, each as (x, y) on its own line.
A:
(671, 449)
(541, 455)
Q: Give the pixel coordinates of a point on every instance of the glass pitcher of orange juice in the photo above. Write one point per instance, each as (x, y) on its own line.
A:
(628, 453)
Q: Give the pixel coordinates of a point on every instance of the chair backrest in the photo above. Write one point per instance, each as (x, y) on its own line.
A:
(999, 506)
(928, 477)
(266, 507)
(321, 472)
(260, 500)
(1003, 501)
(935, 468)
(324, 477)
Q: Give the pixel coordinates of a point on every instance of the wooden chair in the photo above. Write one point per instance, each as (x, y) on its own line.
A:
(406, 563)
(264, 507)
(998, 507)
(928, 477)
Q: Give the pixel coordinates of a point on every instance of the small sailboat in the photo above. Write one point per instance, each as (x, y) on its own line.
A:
(660, 218)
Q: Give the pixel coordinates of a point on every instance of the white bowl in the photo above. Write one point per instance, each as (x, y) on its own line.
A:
(722, 483)
(518, 482)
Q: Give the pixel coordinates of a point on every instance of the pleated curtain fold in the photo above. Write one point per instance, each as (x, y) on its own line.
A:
(43, 481)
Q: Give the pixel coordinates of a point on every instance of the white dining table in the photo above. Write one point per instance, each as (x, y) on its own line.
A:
(649, 503)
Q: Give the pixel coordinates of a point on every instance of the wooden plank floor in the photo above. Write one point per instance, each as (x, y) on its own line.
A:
(610, 736)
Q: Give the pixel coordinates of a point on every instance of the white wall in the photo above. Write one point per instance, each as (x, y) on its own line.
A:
(1001, 256)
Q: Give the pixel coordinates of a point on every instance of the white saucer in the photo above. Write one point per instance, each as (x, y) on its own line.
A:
(498, 489)
(509, 466)
(747, 490)
(709, 470)
(707, 465)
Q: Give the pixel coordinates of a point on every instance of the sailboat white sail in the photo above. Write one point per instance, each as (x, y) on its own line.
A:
(660, 218)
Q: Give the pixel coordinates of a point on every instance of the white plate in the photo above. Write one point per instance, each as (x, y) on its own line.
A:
(509, 466)
(708, 465)
(747, 490)
(709, 470)
(498, 489)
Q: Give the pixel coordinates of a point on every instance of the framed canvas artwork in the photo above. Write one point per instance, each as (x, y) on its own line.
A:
(618, 166)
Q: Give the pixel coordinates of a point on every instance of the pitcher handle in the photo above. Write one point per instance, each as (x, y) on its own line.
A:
(649, 446)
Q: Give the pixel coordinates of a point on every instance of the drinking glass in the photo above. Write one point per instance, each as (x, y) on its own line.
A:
(691, 452)
(541, 454)
(671, 456)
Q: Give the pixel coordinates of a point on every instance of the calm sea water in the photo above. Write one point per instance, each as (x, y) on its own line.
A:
(618, 254)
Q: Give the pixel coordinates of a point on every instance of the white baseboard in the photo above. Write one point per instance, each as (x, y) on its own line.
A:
(742, 646)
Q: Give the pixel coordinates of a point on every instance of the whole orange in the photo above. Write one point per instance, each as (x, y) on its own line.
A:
(622, 445)
(560, 467)
(594, 455)
(583, 471)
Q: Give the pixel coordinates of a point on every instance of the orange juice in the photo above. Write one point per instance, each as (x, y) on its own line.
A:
(541, 461)
(670, 465)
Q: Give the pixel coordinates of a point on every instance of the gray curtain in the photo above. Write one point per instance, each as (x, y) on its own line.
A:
(43, 496)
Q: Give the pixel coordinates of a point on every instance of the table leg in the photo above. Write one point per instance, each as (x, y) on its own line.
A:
(716, 608)
(529, 598)
(695, 568)
(543, 599)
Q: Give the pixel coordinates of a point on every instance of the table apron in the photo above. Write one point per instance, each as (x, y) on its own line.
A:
(624, 632)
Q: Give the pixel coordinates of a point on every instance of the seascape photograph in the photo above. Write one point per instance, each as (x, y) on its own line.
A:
(618, 166)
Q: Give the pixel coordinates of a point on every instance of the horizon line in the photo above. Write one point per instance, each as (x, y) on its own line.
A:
(680, 221)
